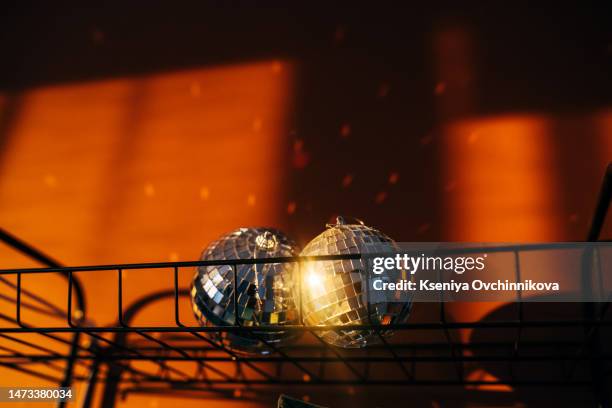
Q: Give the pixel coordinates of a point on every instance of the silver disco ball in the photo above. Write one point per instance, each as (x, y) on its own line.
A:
(264, 291)
(334, 293)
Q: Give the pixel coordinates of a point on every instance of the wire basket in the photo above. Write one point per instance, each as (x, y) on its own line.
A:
(125, 358)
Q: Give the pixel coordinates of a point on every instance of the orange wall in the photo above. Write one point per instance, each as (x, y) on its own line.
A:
(140, 170)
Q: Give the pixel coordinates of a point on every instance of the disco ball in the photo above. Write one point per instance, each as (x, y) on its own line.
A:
(333, 291)
(264, 291)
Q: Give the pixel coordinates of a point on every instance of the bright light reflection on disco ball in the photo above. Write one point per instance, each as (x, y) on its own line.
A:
(333, 291)
(264, 291)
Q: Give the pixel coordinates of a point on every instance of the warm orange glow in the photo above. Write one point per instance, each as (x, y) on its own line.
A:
(503, 173)
(114, 171)
(503, 190)
(141, 169)
(502, 184)
(455, 71)
(603, 123)
(482, 375)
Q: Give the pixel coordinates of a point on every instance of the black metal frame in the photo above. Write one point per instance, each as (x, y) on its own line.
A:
(170, 348)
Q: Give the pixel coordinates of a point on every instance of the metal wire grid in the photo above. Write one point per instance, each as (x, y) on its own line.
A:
(114, 360)
(168, 346)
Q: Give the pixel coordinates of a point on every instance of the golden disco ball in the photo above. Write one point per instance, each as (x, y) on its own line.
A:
(334, 291)
(264, 291)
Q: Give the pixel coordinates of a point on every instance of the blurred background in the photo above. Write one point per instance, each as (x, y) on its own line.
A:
(140, 132)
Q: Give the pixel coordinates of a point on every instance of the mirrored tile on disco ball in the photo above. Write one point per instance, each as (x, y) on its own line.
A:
(334, 292)
(264, 292)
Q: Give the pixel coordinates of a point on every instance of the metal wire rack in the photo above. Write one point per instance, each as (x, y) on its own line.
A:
(126, 358)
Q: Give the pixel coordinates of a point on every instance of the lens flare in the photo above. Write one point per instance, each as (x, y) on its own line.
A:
(333, 291)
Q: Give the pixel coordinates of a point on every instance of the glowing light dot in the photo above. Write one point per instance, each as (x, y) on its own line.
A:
(257, 123)
(306, 378)
(380, 197)
(251, 200)
(149, 190)
(50, 180)
(173, 257)
(237, 393)
(300, 157)
(345, 130)
(78, 314)
(204, 193)
(393, 177)
(440, 88)
(298, 144)
(473, 137)
(347, 180)
(291, 207)
(277, 67)
(306, 398)
(194, 89)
